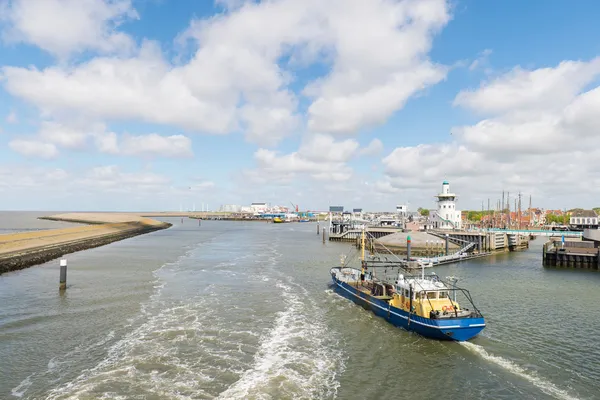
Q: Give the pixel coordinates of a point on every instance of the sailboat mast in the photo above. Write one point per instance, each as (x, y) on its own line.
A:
(362, 244)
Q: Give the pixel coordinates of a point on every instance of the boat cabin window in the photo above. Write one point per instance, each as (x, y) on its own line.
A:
(432, 295)
(443, 295)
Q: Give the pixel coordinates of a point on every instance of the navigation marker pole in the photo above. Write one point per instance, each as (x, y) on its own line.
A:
(63, 275)
(447, 243)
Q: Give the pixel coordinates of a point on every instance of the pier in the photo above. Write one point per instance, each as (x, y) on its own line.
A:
(341, 233)
(573, 253)
(487, 241)
(539, 232)
(435, 247)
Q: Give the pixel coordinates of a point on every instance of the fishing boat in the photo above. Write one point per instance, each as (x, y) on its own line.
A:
(278, 220)
(421, 303)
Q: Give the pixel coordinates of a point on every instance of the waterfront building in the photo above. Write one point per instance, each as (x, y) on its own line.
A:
(446, 216)
(258, 207)
(582, 219)
(402, 209)
(234, 208)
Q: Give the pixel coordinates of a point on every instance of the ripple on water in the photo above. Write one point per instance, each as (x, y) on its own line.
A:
(530, 376)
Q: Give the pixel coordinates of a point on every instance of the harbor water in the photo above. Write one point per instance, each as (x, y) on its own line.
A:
(244, 310)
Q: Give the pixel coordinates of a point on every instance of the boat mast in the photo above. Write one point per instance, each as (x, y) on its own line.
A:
(362, 244)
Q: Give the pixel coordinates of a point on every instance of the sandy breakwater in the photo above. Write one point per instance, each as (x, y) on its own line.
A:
(24, 249)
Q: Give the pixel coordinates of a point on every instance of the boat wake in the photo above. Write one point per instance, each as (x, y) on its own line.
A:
(545, 386)
(295, 358)
(209, 335)
(20, 390)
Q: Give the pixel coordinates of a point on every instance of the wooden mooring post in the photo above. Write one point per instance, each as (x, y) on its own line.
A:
(323, 235)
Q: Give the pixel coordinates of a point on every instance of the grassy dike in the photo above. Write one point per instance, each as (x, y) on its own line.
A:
(24, 249)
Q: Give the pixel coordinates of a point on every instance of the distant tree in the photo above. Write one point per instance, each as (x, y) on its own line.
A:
(557, 219)
(474, 216)
(423, 211)
(597, 210)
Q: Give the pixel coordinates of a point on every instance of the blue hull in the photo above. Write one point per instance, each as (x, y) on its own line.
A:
(459, 329)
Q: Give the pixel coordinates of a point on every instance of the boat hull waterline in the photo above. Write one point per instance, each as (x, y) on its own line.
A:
(459, 329)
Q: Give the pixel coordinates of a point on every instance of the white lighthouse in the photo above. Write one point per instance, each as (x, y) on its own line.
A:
(446, 216)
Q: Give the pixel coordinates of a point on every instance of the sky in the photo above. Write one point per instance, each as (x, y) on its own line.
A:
(138, 105)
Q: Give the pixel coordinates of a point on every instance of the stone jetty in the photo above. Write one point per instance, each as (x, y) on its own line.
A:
(24, 249)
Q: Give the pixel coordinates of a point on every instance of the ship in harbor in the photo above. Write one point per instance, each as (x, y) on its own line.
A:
(421, 303)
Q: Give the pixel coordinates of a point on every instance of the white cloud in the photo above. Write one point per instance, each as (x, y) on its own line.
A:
(62, 135)
(540, 89)
(378, 67)
(323, 148)
(321, 164)
(63, 27)
(236, 79)
(33, 148)
(107, 142)
(320, 158)
(481, 61)
(156, 145)
(111, 178)
(373, 148)
(202, 185)
(540, 139)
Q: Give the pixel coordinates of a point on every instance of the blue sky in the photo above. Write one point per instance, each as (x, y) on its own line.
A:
(153, 105)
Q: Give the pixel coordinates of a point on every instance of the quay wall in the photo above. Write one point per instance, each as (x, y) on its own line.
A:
(573, 254)
(433, 243)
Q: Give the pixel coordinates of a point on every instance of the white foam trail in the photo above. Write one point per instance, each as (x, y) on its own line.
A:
(20, 390)
(293, 347)
(542, 384)
(148, 360)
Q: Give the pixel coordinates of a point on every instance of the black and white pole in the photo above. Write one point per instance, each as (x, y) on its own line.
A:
(63, 275)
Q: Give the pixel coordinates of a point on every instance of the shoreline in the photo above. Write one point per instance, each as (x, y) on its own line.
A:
(25, 249)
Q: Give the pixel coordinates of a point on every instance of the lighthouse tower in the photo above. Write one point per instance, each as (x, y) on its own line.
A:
(446, 215)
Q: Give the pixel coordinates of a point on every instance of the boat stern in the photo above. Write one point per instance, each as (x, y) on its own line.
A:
(461, 329)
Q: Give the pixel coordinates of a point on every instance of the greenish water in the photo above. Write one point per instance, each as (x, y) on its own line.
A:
(244, 311)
